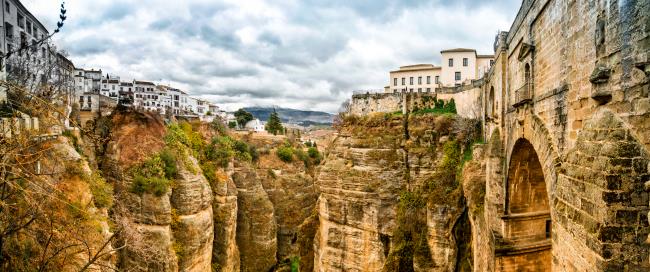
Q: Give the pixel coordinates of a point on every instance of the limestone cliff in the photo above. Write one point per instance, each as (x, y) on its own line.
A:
(167, 225)
(388, 198)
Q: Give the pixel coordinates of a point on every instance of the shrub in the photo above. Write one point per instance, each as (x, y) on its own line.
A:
(232, 124)
(285, 154)
(175, 135)
(295, 264)
(240, 147)
(169, 160)
(252, 150)
(313, 152)
(152, 176)
(209, 172)
(308, 144)
(153, 185)
(217, 125)
(303, 156)
(101, 190)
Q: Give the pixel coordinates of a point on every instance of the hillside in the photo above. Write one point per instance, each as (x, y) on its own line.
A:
(292, 115)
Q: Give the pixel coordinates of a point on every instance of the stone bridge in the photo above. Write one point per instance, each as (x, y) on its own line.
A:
(566, 111)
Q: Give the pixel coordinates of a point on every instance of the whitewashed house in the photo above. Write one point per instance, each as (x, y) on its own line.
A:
(256, 125)
(111, 87)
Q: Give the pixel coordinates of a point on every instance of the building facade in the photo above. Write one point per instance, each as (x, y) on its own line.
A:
(459, 67)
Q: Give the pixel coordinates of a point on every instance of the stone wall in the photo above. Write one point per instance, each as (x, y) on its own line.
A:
(572, 79)
(467, 99)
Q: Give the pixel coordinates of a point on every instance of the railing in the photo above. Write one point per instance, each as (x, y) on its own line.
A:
(523, 95)
(16, 125)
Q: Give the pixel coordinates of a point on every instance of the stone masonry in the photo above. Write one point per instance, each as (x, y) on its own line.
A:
(566, 112)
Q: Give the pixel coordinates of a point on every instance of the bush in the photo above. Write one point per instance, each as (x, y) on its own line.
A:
(285, 154)
(153, 185)
(252, 150)
(154, 174)
(295, 264)
(169, 160)
(101, 190)
(217, 125)
(209, 172)
(302, 155)
(232, 124)
(313, 153)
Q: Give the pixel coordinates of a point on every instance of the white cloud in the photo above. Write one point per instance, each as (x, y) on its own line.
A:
(302, 54)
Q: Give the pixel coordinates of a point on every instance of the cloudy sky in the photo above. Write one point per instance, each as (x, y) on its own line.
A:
(309, 54)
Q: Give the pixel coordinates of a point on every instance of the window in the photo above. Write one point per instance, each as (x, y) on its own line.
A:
(21, 21)
(35, 31)
(457, 75)
(491, 62)
(527, 73)
(403, 81)
(29, 27)
(451, 62)
(411, 90)
(419, 90)
(465, 61)
(9, 31)
(411, 81)
(428, 90)
(7, 7)
(548, 228)
(113, 87)
(394, 81)
(419, 80)
(428, 79)
(437, 79)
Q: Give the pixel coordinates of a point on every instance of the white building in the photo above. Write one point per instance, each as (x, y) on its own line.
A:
(110, 87)
(256, 125)
(145, 96)
(460, 66)
(178, 100)
(87, 81)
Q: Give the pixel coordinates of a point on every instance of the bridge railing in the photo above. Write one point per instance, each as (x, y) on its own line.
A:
(523, 95)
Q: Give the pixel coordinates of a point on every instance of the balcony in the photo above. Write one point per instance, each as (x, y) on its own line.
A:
(523, 95)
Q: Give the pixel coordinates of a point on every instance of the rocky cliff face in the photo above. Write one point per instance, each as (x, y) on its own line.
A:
(386, 198)
(276, 213)
(166, 228)
(256, 226)
(383, 203)
(225, 252)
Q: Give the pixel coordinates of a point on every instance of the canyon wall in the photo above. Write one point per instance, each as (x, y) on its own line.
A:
(377, 210)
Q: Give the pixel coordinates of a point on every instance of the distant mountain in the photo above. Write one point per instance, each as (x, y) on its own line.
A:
(300, 117)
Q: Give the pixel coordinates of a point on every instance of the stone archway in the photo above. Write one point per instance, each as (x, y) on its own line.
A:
(526, 243)
(526, 186)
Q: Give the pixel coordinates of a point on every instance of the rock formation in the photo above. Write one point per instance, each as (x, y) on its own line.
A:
(367, 222)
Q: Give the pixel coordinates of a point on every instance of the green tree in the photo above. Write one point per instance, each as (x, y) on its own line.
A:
(243, 117)
(232, 124)
(274, 125)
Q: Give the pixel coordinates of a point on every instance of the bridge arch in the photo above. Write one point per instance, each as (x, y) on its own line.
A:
(531, 170)
(526, 185)
(531, 128)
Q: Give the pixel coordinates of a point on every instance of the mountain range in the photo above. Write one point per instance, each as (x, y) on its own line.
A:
(287, 115)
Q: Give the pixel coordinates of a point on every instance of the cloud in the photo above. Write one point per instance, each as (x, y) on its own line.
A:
(308, 54)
